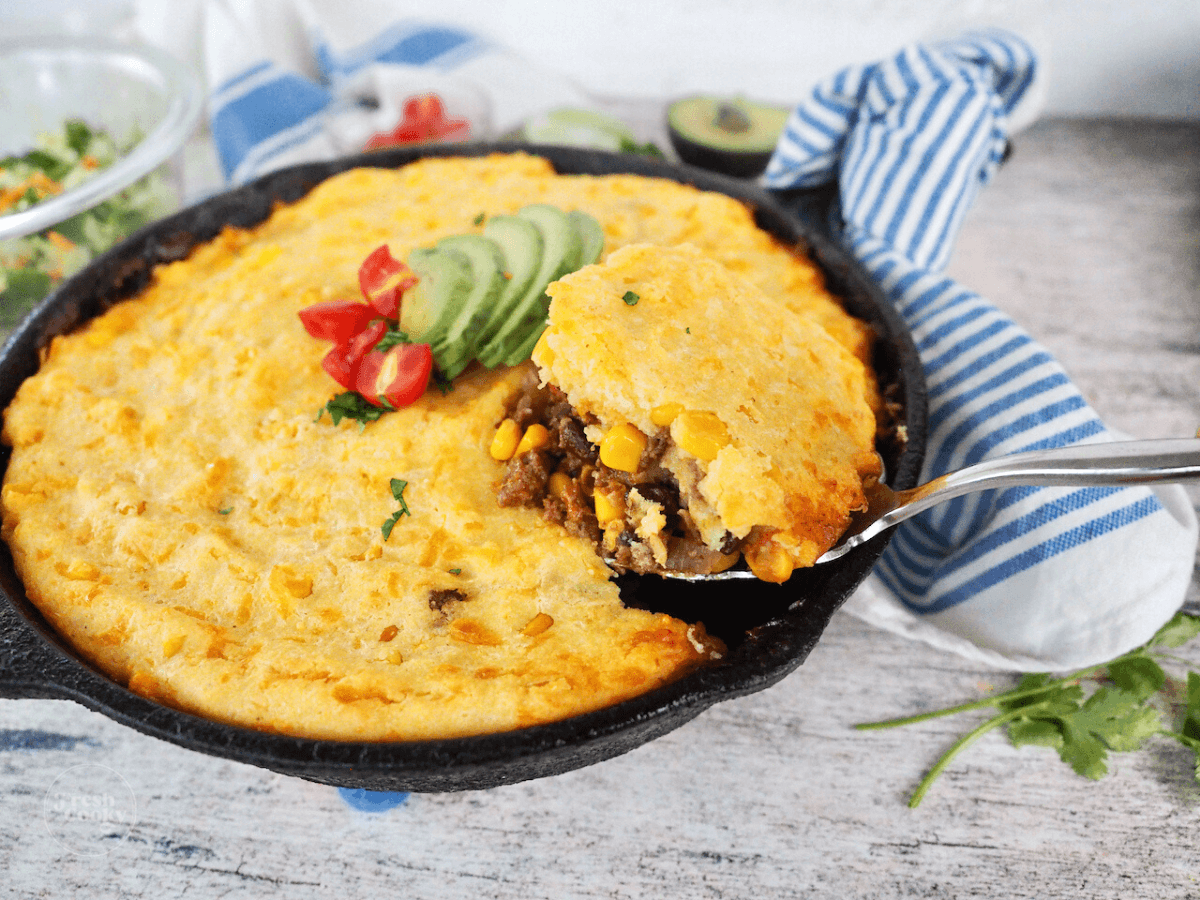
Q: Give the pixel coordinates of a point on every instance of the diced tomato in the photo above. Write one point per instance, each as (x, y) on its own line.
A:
(398, 375)
(337, 320)
(383, 280)
(424, 120)
(338, 365)
(343, 362)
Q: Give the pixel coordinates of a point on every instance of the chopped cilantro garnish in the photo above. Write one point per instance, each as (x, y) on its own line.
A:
(398, 485)
(392, 338)
(351, 405)
(478, 220)
(631, 298)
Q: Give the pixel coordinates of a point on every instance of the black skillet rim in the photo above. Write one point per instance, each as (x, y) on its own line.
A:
(35, 662)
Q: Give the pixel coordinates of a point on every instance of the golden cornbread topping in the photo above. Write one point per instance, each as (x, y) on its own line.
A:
(177, 512)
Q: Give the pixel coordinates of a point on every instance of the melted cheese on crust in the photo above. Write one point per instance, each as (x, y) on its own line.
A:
(178, 515)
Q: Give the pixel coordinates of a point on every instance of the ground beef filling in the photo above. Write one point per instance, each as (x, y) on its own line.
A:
(563, 476)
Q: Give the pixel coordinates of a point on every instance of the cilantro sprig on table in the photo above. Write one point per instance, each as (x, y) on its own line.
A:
(1116, 707)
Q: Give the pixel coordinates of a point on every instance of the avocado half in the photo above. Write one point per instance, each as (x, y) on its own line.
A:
(730, 135)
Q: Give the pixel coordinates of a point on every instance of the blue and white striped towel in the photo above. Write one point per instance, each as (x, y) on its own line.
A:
(269, 108)
(1021, 578)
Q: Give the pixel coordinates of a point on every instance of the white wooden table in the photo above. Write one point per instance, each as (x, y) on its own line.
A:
(1090, 237)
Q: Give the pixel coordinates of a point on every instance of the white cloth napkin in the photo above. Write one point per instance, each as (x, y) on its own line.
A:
(1022, 578)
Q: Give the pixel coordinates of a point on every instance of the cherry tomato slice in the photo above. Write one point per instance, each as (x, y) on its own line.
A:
(383, 280)
(337, 320)
(398, 375)
(343, 362)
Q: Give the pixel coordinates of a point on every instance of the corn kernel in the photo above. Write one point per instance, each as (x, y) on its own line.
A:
(769, 562)
(468, 631)
(542, 354)
(664, 415)
(78, 570)
(701, 434)
(535, 437)
(537, 625)
(606, 509)
(504, 444)
(559, 482)
(621, 448)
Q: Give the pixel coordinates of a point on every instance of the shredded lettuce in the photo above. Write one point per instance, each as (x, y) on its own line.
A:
(30, 267)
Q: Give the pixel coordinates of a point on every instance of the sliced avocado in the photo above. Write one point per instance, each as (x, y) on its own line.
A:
(525, 349)
(456, 346)
(591, 236)
(433, 304)
(578, 128)
(521, 243)
(561, 246)
(730, 135)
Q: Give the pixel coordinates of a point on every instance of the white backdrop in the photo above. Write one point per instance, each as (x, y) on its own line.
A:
(1102, 56)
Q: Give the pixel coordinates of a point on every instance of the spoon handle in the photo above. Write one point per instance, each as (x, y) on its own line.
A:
(1116, 464)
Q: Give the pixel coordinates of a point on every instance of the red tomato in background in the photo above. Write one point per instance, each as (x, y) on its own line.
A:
(337, 320)
(424, 120)
(398, 375)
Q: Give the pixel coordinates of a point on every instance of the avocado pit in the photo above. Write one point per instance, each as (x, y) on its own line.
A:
(730, 135)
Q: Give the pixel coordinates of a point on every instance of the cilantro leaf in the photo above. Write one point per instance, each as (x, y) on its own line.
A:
(1190, 728)
(1139, 675)
(1042, 690)
(1082, 751)
(390, 524)
(1192, 744)
(1119, 718)
(350, 405)
(1110, 719)
(1181, 629)
(397, 485)
(391, 338)
(1038, 732)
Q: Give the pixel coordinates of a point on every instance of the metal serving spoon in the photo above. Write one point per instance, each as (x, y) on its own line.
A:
(1118, 464)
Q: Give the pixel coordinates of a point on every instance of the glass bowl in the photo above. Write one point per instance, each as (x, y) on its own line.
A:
(126, 90)
(142, 99)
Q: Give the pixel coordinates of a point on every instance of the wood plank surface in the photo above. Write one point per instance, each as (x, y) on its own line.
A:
(1089, 237)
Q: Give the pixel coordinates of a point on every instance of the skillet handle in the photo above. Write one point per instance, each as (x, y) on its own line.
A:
(29, 664)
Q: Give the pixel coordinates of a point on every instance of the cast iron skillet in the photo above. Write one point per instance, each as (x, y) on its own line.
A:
(770, 629)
